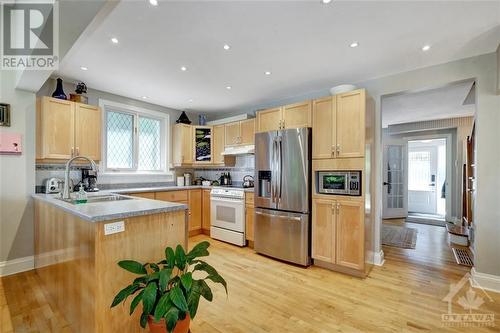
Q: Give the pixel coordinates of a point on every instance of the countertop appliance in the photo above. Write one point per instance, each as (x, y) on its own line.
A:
(248, 181)
(89, 180)
(282, 224)
(227, 209)
(53, 185)
(339, 182)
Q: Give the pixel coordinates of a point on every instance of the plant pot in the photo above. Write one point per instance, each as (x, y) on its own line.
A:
(161, 327)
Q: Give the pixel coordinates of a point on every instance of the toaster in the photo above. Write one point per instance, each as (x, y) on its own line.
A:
(53, 185)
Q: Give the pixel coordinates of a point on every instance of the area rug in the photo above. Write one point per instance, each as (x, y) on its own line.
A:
(398, 236)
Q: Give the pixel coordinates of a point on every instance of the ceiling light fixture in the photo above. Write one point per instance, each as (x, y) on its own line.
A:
(190, 100)
(354, 44)
(183, 68)
(153, 2)
(114, 40)
(144, 97)
(226, 47)
(426, 48)
(228, 87)
(83, 68)
(326, 1)
(267, 73)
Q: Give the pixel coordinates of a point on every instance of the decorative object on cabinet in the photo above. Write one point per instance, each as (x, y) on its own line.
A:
(168, 290)
(183, 119)
(10, 144)
(4, 114)
(59, 92)
(343, 88)
(80, 89)
(202, 119)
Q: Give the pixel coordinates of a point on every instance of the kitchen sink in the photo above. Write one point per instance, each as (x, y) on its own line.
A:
(98, 198)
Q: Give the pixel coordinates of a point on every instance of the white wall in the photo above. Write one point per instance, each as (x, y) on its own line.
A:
(17, 174)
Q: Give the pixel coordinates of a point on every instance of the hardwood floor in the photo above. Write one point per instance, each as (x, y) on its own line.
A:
(268, 296)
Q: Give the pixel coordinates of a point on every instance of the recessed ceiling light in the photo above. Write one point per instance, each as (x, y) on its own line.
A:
(426, 48)
(114, 40)
(267, 73)
(83, 68)
(229, 87)
(326, 1)
(184, 68)
(190, 100)
(354, 44)
(153, 2)
(226, 47)
(144, 97)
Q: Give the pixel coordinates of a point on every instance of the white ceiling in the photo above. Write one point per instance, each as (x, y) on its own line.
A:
(305, 44)
(440, 103)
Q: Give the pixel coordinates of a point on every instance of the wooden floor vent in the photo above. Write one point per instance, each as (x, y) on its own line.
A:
(462, 257)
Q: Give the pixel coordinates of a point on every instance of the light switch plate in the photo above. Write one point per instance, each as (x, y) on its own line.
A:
(114, 228)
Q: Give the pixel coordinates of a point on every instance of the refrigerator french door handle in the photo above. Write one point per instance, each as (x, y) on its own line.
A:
(273, 172)
(280, 167)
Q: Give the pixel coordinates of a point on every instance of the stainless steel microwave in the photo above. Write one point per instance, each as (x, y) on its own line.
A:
(339, 182)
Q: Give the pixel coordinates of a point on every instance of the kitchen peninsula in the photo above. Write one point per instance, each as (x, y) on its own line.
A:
(77, 247)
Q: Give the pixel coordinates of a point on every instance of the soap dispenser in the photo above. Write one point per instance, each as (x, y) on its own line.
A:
(81, 196)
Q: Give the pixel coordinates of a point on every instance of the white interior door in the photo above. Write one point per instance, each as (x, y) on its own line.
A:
(395, 200)
(422, 178)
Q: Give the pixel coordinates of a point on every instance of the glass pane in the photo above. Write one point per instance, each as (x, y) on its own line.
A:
(419, 170)
(203, 140)
(225, 214)
(149, 144)
(120, 139)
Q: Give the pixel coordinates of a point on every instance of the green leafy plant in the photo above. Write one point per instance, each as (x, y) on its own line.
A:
(168, 289)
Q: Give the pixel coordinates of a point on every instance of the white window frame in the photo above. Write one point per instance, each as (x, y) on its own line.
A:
(164, 118)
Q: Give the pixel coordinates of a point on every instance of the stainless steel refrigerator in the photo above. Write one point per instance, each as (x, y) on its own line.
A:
(282, 223)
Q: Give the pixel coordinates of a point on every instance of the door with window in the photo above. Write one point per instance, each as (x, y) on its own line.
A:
(395, 194)
(422, 178)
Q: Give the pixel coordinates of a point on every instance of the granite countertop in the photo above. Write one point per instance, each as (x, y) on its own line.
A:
(165, 189)
(111, 210)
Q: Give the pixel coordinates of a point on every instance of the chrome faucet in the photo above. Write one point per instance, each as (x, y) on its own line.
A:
(66, 190)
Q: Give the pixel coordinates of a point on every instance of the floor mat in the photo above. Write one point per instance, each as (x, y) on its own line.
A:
(398, 236)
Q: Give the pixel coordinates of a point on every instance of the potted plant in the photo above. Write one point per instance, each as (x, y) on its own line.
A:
(168, 290)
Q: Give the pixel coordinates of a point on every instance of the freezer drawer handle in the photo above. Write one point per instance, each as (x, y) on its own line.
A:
(280, 216)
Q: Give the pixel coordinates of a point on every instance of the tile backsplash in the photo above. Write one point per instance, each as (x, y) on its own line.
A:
(245, 165)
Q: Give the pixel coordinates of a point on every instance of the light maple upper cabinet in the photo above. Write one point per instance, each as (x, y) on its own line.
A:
(182, 153)
(297, 115)
(218, 142)
(269, 120)
(283, 117)
(339, 125)
(350, 110)
(65, 129)
(350, 234)
(240, 133)
(323, 230)
(338, 232)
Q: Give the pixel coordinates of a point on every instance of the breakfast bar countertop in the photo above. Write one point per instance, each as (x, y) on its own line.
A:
(111, 210)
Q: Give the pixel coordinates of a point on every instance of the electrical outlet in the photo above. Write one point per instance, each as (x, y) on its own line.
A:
(114, 228)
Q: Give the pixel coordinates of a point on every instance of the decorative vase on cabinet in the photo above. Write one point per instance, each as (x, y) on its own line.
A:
(59, 92)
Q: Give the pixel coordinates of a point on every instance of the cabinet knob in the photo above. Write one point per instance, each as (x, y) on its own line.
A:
(338, 148)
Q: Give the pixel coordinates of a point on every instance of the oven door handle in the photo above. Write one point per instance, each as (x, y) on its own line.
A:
(232, 201)
(295, 218)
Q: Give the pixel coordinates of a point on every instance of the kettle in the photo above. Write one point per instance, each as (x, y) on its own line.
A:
(248, 181)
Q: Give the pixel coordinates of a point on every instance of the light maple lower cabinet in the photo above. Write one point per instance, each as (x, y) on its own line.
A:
(338, 232)
(249, 216)
(194, 214)
(65, 129)
(205, 224)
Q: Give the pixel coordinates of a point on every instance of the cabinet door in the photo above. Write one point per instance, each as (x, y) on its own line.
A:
(350, 234)
(249, 215)
(232, 133)
(145, 195)
(195, 203)
(323, 126)
(323, 230)
(269, 120)
(88, 131)
(247, 132)
(205, 222)
(218, 143)
(202, 144)
(351, 124)
(187, 144)
(57, 128)
(297, 115)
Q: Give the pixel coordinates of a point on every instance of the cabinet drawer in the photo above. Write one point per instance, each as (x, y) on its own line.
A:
(146, 195)
(249, 199)
(174, 196)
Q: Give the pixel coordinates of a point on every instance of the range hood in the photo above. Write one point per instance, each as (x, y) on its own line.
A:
(239, 150)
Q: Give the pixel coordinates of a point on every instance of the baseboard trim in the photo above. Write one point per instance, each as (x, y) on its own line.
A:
(18, 265)
(485, 281)
(378, 258)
